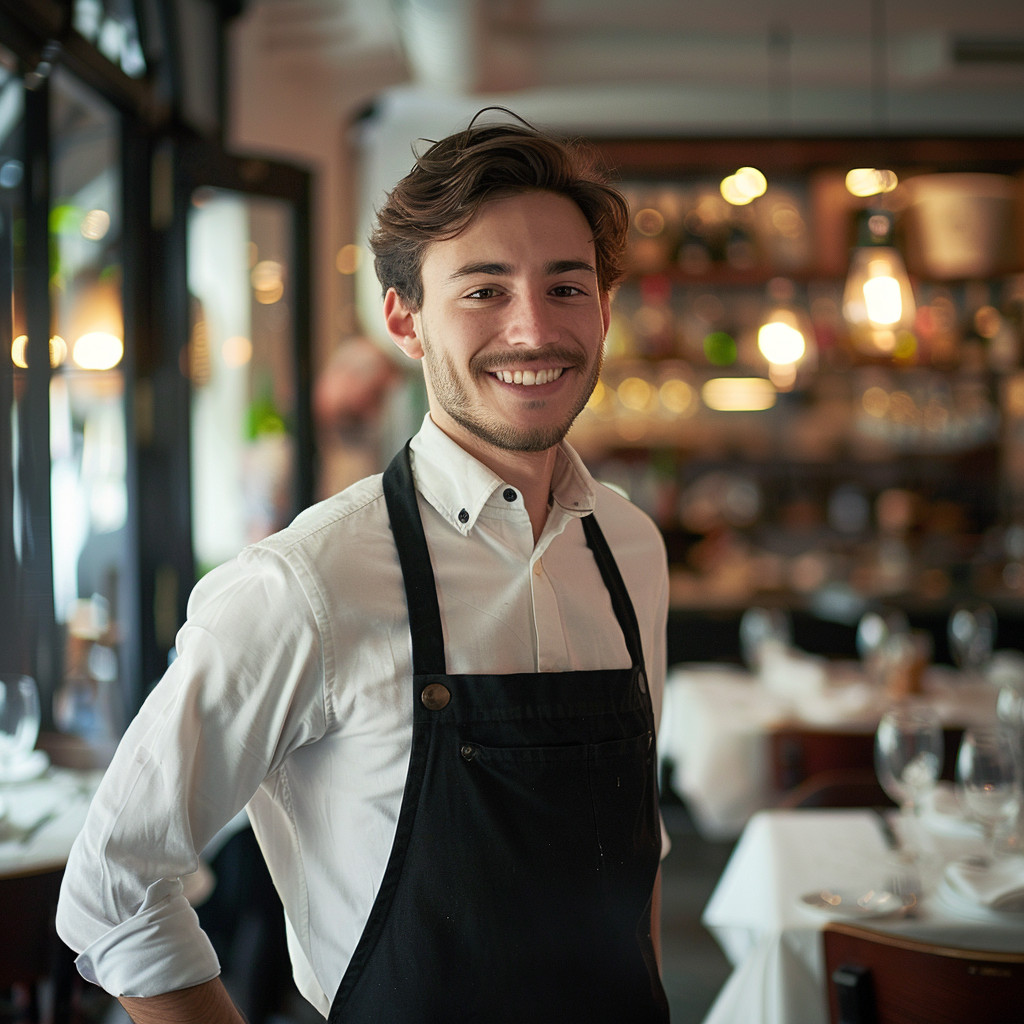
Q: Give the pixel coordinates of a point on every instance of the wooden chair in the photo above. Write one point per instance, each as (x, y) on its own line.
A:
(904, 981)
(30, 951)
(834, 768)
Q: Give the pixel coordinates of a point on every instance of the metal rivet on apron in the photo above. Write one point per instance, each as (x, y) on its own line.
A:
(467, 751)
(435, 696)
(641, 681)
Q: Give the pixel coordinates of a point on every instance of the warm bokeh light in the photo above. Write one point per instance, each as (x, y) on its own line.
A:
(751, 182)
(97, 350)
(597, 396)
(732, 193)
(780, 342)
(738, 394)
(58, 351)
(875, 402)
(782, 375)
(267, 281)
(95, 225)
(349, 259)
(676, 396)
(634, 393)
(649, 222)
(236, 351)
(868, 181)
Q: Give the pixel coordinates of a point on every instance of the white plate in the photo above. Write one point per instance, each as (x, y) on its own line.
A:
(857, 904)
(31, 768)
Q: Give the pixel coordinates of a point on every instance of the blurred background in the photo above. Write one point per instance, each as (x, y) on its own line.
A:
(814, 377)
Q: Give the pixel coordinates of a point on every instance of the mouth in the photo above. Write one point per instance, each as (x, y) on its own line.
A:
(528, 378)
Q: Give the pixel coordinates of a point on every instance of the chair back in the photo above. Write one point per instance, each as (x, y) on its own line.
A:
(877, 978)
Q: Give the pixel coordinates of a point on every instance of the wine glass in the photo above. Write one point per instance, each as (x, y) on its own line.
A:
(761, 627)
(908, 757)
(19, 721)
(875, 631)
(972, 634)
(986, 777)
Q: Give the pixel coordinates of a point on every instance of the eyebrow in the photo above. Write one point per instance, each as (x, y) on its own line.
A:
(506, 269)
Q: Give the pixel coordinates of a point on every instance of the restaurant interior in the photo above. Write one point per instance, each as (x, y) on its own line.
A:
(813, 384)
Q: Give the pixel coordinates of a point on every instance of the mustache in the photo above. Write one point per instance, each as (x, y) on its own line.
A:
(559, 354)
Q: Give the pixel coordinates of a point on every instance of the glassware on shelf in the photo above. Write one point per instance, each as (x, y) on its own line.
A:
(972, 634)
(19, 722)
(987, 779)
(874, 631)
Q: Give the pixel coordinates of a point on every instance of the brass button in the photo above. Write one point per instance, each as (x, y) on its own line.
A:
(468, 751)
(435, 696)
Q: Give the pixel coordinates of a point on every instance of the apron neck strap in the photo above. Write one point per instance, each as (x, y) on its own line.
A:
(414, 557)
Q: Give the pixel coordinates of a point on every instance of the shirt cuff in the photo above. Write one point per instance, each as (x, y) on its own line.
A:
(160, 949)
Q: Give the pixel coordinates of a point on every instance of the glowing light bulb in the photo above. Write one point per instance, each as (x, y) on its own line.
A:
(780, 342)
(97, 350)
(882, 295)
(868, 181)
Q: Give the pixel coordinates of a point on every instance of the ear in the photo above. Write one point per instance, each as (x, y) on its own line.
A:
(606, 311)
(402, 324)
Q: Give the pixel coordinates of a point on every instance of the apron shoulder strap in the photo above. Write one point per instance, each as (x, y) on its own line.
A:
(414, 557)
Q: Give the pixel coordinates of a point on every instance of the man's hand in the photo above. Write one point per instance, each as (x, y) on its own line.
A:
(208, 1003)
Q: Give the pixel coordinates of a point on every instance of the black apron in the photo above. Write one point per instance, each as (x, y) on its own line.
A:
(518, 889)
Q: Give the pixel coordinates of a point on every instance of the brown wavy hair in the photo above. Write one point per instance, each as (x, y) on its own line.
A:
(456, 176)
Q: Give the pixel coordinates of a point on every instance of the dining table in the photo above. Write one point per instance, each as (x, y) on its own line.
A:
(717, 721)
(41, 817)
(767, 911)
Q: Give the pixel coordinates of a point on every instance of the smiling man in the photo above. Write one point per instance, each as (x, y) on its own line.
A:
(435, 693)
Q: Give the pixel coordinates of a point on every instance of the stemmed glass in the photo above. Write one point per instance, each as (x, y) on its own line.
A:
(19, 721)
(908, 758)
(761, 628)
(986, 777)
(972, 634)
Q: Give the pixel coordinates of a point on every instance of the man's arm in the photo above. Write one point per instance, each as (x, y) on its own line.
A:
(208, 1003)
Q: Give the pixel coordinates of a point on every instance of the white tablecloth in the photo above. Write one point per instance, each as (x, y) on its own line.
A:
(715, 721)
(774, 942)
(42, 818)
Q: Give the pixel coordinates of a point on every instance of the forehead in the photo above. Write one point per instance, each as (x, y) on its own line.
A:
(525, 230)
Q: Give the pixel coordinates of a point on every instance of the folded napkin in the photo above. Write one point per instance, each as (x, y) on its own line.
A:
(999, 885)
(792, 674)
(942, 814)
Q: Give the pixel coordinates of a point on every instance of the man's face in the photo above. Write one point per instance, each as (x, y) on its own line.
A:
(512, 323)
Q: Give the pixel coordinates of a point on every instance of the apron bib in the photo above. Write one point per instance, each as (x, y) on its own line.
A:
(518, 889)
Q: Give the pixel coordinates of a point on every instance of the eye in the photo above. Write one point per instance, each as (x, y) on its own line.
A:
(567, 291)
(486, 292)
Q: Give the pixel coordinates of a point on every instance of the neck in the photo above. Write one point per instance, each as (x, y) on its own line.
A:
(528, 472)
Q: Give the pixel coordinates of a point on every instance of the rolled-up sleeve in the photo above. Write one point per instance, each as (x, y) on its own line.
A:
(246, 689)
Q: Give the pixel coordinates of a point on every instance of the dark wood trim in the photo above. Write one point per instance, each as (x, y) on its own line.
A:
(659, 157)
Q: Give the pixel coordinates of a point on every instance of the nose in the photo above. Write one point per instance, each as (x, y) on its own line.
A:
(532, 322)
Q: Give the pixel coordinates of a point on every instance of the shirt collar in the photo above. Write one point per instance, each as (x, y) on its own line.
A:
(458, 486)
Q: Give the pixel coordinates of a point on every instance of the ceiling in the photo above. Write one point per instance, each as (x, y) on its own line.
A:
(495, 46)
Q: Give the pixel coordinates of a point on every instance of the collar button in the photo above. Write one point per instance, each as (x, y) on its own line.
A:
(463, 516)
(509, 495)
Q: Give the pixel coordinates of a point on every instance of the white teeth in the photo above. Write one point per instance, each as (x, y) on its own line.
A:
(528, 377)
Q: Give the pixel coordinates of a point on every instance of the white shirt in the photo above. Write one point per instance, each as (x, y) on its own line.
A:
(292, 694)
